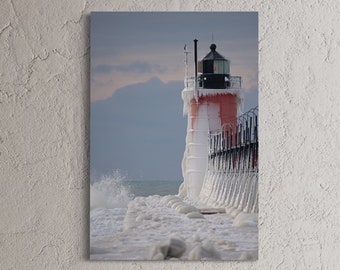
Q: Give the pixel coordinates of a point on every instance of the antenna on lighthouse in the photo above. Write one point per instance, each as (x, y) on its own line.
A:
(186, 52)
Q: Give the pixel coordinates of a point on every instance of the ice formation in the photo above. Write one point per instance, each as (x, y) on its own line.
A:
(168, 228)
(214, 184)
(204, 115)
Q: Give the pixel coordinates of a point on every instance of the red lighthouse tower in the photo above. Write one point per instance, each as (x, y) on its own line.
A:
(211, 99)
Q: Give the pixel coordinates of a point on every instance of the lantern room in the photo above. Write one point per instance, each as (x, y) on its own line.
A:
(215, 70)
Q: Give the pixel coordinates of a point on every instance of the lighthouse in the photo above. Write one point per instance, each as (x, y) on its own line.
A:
(211, 99)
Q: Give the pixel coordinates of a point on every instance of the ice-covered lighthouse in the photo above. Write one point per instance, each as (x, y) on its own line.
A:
(211, 99)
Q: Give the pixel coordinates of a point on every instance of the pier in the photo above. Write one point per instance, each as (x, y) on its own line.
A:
(231, 178)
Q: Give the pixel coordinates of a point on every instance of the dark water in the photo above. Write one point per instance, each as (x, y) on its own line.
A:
(147, 188)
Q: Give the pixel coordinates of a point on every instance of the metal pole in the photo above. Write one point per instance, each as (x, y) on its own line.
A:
(195, 52)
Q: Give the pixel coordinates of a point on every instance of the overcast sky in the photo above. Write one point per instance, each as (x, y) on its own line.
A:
(134, 51)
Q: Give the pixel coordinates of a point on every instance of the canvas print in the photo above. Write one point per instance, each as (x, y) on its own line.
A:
(174, 136)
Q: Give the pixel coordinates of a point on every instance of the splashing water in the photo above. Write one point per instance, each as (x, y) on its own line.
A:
(109, 192)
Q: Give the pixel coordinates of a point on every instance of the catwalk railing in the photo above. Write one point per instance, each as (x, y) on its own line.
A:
(235, 148)
(232, 176)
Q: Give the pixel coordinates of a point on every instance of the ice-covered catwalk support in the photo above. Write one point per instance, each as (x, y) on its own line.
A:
(231, 179)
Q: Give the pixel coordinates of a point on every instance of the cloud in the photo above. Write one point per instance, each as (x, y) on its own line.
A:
(106, 78)
(135, 67)
(138, 65)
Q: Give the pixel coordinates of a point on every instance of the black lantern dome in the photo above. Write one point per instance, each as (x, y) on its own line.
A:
(215, 70)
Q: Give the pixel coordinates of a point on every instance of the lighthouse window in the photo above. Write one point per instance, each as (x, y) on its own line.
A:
(221, 67)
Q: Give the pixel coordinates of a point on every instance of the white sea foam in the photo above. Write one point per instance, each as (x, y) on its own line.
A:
(109, 192)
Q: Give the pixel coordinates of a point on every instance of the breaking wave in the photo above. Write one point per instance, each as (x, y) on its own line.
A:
(108, 191)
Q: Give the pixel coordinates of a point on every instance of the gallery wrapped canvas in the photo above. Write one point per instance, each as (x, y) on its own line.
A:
(174, 136)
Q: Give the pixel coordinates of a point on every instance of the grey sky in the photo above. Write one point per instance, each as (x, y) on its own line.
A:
(137, 70)
(131, 48)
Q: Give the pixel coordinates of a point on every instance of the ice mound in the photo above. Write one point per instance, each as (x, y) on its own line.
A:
(180, 207)
(185, 208)
(169, 200)
(194, 215)
(172, 248)
(144, 217)
(206, 251)
(135, 214)
(248, 256)
(245, 220)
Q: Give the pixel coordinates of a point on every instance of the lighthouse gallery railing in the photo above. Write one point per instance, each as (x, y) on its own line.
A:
(235, 82)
